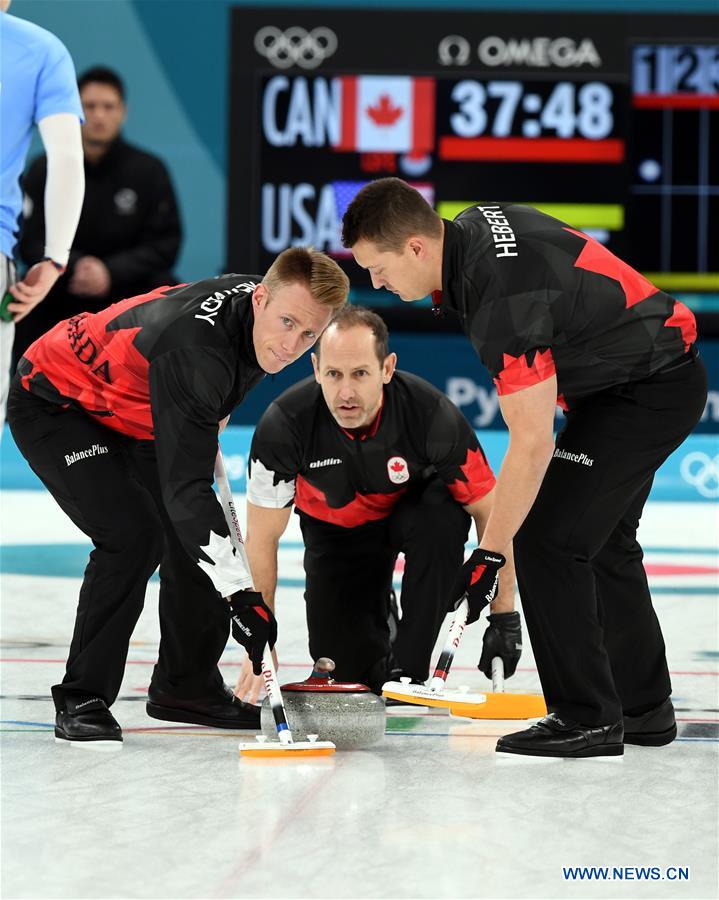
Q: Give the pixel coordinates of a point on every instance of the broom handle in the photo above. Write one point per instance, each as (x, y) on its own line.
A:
(454, 636)
(268, 668)
(498, 675)
(274, 695)
(451, 645)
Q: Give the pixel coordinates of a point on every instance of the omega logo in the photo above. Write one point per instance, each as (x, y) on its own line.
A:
(562, 52)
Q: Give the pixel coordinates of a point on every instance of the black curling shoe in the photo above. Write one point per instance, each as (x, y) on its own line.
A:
(553, 736)
(87, 721)
(220, 710)
(654, 728)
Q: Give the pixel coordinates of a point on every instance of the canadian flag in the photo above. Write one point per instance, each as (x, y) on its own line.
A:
(393, 114)
(397, 470)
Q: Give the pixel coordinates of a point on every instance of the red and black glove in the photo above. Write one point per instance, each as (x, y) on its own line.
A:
(478, 579)
(253, 625)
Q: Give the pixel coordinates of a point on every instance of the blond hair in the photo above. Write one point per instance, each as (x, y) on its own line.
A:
(313, 269)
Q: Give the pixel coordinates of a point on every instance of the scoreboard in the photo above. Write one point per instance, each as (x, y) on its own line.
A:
(607, 121)
(673, 207)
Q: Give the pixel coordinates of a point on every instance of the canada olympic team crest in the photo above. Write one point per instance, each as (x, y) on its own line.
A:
(397, 470)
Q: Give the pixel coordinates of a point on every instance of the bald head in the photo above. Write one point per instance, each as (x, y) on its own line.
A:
(352, 366)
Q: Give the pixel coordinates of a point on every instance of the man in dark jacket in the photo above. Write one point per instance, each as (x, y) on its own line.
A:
(129, 232)
(557, 318)
(118, 413)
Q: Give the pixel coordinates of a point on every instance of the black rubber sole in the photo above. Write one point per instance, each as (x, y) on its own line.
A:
(173, 714)
(651, 738)
(586, 753)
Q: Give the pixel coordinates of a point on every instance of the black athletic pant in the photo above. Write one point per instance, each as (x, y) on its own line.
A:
(596, 638)
(349, 576)
(112, 493)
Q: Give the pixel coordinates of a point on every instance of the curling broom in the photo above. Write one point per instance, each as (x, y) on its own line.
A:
(495, 705)
(286, 746)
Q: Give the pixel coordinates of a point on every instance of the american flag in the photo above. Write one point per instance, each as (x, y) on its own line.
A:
(346, 191)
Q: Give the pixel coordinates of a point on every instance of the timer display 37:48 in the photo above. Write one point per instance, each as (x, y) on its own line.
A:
(502, 108)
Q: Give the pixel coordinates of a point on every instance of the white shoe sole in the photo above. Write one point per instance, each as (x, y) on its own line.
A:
(91, 745)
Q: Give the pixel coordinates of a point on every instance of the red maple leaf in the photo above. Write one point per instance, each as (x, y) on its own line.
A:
(683, 318)
(517, 372)
(397, 466)
(384, 113)
(476, 480)
(596, 258)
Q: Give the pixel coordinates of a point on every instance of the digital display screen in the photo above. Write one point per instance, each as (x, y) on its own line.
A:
(674, 142)
(607, 121)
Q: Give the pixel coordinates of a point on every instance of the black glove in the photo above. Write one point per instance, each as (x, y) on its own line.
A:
(253, 625)
(502, 638)
(478, 579)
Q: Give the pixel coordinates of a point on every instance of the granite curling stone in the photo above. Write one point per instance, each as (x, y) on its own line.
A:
(347, 713)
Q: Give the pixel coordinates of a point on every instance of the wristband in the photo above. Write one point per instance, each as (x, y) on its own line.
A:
(59, 266)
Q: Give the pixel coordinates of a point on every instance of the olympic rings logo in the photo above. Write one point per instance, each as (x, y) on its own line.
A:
(295, 46)
(702, 472)
(236, 465)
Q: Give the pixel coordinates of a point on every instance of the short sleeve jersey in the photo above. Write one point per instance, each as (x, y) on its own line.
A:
(301, 455)
(538, 298)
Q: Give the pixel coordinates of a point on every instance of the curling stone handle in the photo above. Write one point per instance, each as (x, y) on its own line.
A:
(498, 675)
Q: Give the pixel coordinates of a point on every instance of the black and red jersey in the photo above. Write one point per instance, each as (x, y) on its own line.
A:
(166, 366)
(538, 298)
(301, 455)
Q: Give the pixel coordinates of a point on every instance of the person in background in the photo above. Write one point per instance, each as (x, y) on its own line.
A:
(37, 88)
(129, 233)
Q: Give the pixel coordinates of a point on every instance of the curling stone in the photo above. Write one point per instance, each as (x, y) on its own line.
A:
(347, 713)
